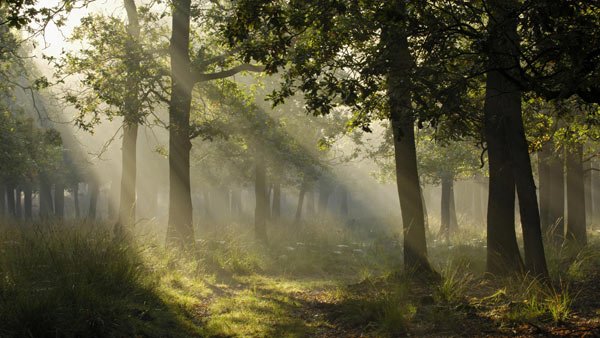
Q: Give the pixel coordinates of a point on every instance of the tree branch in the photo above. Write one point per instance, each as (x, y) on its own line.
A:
(246, 67)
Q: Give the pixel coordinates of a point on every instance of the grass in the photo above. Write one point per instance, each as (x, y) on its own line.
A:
(75, 280)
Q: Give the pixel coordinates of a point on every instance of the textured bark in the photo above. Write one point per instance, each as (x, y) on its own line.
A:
(260, 192)
(402, 124)
(59, 200)
(503, 113)
(576, 224)
(180, 228)
(127, 201)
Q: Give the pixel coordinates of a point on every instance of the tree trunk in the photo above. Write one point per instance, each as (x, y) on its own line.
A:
(503, 106)
(402, 124)
(453, 218)
(276, 208)
(576, 225)
(10, 200)
(18, 204)
(545, 182)
(445, 207)
(131, 120)
(310, 201)
(59, 200)
(27, 201)
(180, 229)
(303, 188)
(76, 200)
(94, 191)
(260, 193)
(588, 184)
(46, 205)
(343, 202)
(2, 200)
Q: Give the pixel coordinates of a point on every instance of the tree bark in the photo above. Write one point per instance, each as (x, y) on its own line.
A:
(260, 192)
(576, 224)
(59, 200)
(132, 117)
(402, 124)
(180, 228)
(503, 107)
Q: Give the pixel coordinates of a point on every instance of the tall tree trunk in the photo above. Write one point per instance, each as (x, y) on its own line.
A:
(576, 225)
(545, 183)
(445, 206)
(276, 208)
(18, 204)
(310, 200)
(3, 200)
(46, 205)
(324, 194)
(557, 199)
(59, 200)
(180, 229)
(76, 200)
(503, 106)
(260, 192)
(588, 184)
(453, 218)
(303, 189)
(94, 191)
(10, 200)
(343, 202)
(27, 200)
(132, 117)
(402, 124)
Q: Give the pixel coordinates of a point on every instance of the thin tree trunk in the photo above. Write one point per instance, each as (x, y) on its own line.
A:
(59, 200)
(94, 191)
(303, 188)
(260, 192)
(76, 200)
(127, 204)
(46, 205)
(545, 182)
(445, 207)
(343, 202)
(402, 124)
(180, 228)
(587, 176)
(576, 225)
(276, 208)
(2, 200)
(556, 217)
(27, 201)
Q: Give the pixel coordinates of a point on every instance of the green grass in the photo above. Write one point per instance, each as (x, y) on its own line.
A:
(78, 280)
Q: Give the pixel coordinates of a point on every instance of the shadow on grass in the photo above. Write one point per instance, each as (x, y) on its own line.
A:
(80, 282)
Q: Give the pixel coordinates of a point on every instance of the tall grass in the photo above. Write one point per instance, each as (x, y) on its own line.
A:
(64, 281)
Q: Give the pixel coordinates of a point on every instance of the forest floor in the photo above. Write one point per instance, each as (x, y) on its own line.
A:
(322, 281)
